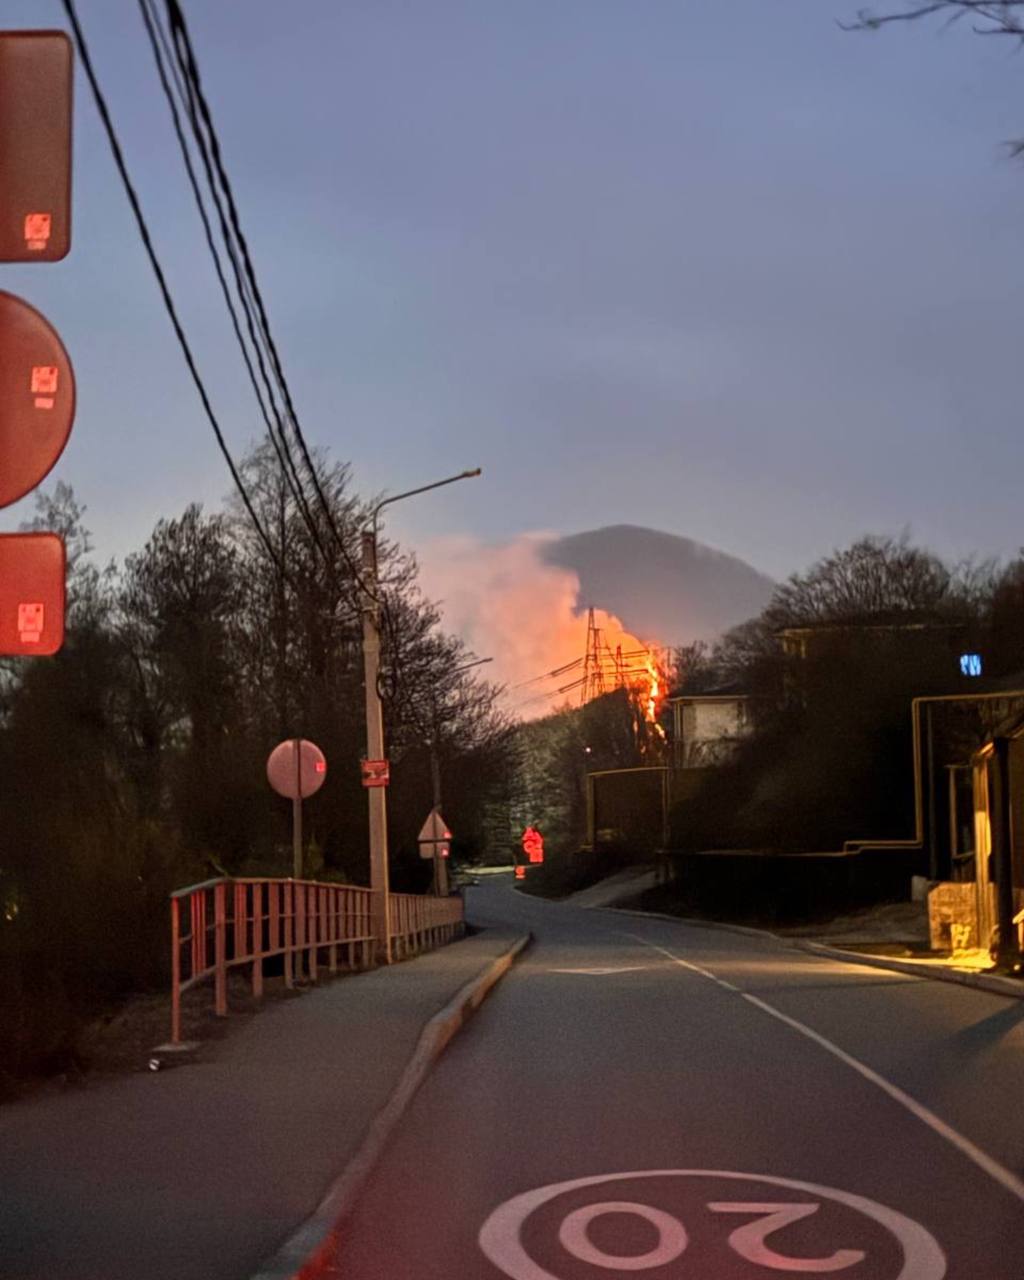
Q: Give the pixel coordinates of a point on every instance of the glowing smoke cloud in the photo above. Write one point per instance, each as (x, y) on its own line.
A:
(509, 605)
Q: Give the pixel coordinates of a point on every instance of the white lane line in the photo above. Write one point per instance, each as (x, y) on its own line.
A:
(965, 1146)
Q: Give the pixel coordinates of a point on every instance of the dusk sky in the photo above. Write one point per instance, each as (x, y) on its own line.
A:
(712, 266)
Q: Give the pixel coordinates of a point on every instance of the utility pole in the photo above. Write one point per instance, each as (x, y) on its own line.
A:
(376, 796)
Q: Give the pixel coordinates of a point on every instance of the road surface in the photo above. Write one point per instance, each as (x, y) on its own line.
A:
(679, 1103)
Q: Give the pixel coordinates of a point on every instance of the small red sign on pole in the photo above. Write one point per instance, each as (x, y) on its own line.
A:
(376, 773)
(32, 571)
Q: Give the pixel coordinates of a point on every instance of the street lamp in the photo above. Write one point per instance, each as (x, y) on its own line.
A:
(376, 794)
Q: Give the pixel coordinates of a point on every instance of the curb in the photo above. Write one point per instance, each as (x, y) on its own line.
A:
(980, 981)
(307, 1253)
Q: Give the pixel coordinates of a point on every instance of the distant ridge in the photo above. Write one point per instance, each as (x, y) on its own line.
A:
(664, 588)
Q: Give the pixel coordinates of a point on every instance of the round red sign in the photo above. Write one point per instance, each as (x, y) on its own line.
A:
(37, 398)
(296, 774)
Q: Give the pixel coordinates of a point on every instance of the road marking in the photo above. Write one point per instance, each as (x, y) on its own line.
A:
(965, 1146)
(501, 1241)
(601, 973)
(751, 1240)
(672, 1239)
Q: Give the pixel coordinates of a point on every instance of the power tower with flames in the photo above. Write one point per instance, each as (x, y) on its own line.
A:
(605, 669)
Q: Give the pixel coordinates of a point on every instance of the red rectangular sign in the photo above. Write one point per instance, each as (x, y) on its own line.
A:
(376, 773)
(32, 573)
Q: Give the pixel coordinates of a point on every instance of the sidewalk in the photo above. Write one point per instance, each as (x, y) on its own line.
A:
(203, 1171)
(888, 936)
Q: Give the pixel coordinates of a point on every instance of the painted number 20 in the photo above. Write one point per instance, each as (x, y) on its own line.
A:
(750, 1240)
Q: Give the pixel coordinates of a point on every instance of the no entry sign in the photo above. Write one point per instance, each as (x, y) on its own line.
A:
(296, 768)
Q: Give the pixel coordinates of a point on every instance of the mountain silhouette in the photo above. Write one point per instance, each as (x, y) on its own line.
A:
(664, 588)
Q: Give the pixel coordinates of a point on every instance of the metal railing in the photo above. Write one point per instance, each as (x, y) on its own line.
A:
(226, 923)
(418, 922)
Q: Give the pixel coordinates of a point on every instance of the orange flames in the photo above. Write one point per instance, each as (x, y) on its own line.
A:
(631, 665)
(508, 604)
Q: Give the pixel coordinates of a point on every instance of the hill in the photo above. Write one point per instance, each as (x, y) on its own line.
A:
(664, 588)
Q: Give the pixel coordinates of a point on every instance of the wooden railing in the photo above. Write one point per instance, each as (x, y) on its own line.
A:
(226, 923)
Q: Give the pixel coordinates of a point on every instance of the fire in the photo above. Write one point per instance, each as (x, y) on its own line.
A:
(631, 665)
(508, 604)
(655, 676)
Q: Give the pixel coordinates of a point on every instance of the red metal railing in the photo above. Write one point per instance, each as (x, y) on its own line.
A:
(419, 922)
(226, 923)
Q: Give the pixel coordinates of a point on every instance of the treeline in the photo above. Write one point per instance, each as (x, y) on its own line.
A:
(133, 762)
(831, 667)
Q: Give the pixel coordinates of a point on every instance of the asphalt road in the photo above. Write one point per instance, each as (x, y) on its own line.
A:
(682, 1103)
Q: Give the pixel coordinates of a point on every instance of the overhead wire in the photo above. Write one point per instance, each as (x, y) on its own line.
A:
(207, 139)
(154, 261)
(161, 52)
(189, 67)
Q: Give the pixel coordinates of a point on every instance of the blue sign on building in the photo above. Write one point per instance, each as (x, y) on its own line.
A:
(970, 664)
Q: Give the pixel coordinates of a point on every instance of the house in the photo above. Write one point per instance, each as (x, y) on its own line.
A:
(706, 728)
(973, 914)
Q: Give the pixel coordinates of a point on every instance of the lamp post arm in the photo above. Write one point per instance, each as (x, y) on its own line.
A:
(424, 488)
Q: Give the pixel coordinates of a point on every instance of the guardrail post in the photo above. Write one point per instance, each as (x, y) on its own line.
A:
(288, 931)
(333, 925)
(299, 902)
(197, 917)
(241, 920)
(220, 948)
(257, 940)
(175, 972)
(273, 916)
(314, 926)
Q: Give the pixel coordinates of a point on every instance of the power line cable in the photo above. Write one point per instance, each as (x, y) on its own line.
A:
(189, 67)
(163, 57)
(147, 240)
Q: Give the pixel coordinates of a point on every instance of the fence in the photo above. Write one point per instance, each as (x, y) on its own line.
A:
(418, 922)
(224, 924)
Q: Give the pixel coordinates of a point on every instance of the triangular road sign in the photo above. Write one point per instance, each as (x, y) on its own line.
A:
(434, 836)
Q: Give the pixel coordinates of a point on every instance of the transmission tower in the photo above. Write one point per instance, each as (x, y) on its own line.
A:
(593, 662)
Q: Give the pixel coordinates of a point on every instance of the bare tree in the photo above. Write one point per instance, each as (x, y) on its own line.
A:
(992, 17)
(987, 18)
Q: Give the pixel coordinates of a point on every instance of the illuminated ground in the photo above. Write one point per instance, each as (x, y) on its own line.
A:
(620, 1045)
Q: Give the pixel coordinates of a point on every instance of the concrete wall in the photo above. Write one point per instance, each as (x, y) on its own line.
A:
(707, 730)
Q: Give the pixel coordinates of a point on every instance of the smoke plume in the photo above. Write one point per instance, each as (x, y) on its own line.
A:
(511, 606)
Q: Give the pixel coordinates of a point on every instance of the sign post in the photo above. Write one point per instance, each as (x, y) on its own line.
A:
(296, 768)
(435, 843)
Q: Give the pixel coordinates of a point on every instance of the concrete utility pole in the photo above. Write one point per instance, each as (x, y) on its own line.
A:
(377, 795)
